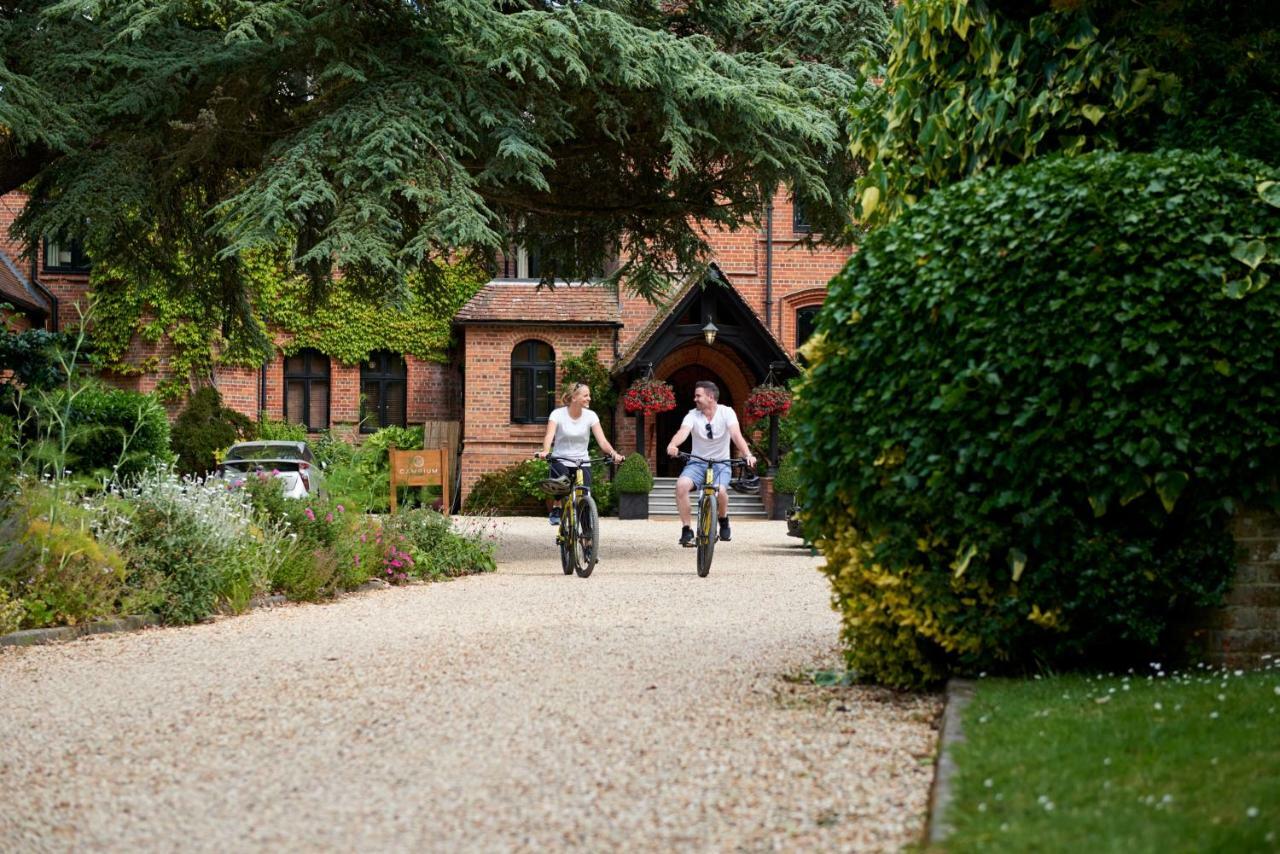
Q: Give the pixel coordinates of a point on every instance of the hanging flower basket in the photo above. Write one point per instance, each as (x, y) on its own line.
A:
(766, 400)
(649, 397)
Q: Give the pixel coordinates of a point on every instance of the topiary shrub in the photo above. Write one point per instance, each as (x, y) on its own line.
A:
(787, 480)
(1032, 403)
(634, 477)
(204, 427)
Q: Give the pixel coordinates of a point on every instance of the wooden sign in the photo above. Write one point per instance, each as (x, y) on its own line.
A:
(420, 468)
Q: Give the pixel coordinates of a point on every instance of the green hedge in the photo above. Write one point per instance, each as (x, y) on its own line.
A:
(205, 427)
(114, 427)
(634, 477)
(1032, 404)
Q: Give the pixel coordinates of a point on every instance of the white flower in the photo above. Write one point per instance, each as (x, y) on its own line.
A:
(1251, 812)
(1158, 707)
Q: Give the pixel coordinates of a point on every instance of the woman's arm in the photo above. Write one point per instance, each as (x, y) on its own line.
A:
(547, 438)
(604, 443)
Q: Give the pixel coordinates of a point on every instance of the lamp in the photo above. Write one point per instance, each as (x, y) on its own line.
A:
(709, 332)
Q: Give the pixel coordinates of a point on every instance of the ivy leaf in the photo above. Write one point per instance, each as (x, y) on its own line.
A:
(1270, 192)
(1237, 288)
(961, 563)
(1169, 485)
(1249, 253)
(1093, 113)
(1017, 563)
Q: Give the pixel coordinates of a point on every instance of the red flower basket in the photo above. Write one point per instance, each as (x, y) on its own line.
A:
(766, 400)
(649, 397)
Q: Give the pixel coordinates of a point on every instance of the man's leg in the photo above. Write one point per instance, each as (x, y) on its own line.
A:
(722, 498)
(683, 486)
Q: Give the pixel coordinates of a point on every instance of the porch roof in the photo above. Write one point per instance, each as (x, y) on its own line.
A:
(524, 302)
(16, 289)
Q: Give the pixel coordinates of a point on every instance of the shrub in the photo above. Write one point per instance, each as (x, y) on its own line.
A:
(119, 428)
(11, 612)
(269, 429)
(633, 476)
(787, 480)
(205, 427)
(1031, 404)
(501, 493)
(439, 550)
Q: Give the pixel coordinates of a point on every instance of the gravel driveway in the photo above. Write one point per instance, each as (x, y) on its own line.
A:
(643, 708)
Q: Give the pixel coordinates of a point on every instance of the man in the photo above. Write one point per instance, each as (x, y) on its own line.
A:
(712, 426)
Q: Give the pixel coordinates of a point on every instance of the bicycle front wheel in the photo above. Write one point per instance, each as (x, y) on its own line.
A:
(565, 539)
(706, 534)
(587, 541)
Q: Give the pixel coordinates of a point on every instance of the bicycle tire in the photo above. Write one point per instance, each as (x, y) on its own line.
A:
(706, 534)
(587, 542)
(565, 540)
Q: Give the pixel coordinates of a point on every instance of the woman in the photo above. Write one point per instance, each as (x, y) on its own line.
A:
(569, 429)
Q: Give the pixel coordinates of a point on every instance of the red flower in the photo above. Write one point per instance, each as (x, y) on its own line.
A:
(649, 396)
(767, 400)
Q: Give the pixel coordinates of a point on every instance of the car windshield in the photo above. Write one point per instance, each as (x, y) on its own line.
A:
(265, 452)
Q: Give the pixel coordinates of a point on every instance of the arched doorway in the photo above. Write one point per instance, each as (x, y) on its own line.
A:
(667, 423)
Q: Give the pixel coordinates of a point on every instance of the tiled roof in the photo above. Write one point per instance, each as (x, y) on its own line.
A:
(15, 288)
(524, 302)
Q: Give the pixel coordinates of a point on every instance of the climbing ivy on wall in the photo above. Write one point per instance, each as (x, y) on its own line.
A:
(344, 324)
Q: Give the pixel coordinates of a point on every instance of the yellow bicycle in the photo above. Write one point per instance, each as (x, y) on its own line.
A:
(579, 533)
(705, 531)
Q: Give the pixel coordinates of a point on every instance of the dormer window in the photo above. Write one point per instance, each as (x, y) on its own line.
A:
(66, 256)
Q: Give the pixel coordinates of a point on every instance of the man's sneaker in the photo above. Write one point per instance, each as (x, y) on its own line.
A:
(554, 518)
(724, 529)
(686, 536)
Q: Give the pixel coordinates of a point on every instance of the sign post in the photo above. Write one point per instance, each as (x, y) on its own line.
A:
(420, 468)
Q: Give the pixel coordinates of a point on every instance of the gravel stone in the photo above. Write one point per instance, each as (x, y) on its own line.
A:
(641, 709)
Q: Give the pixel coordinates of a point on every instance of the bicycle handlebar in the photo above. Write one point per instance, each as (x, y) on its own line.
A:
(589, 461)
(685, 455)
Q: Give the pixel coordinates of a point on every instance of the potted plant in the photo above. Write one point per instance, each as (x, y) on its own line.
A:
(633, 483)
(785, 483)
(766, 400)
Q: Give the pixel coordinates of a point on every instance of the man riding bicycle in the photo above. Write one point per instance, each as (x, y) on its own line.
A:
(712, 426)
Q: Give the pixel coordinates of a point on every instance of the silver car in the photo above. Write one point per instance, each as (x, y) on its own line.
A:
(291, 462)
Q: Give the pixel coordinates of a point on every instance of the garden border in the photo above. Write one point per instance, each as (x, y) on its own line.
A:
(951, 733)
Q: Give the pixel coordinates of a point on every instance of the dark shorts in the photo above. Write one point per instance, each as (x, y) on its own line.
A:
(558, 468)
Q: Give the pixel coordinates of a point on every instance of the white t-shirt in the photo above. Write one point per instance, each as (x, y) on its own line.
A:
(572, 437)
(717, 447)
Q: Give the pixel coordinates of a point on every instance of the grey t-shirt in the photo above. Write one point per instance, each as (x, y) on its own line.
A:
(572, 437)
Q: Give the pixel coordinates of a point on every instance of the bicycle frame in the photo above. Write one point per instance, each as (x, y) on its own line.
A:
(705, 533)
(578, 546)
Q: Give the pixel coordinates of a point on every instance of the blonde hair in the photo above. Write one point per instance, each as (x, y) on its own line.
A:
(570, 391)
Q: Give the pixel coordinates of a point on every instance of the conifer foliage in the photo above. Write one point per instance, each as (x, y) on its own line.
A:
(372, 136)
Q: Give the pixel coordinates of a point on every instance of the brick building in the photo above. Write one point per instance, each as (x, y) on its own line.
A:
(761, 294)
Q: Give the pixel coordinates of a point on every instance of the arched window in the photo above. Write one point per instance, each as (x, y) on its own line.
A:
(533, 383)
(806, 318)
(306, 389)
(383, 391)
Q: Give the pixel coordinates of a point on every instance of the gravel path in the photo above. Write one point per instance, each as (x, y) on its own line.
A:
(640, 709)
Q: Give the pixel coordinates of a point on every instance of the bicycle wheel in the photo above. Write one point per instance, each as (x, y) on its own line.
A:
(706, 534)
(587, 541)
(565, 539)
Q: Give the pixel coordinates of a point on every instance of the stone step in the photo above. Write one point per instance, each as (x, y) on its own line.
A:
(662, 501)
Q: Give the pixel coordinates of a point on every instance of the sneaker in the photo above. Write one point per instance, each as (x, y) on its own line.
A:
(554, 518)
(724, 529)
(686, 536)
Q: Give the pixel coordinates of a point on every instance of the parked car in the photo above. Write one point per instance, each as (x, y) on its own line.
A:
(291, 462)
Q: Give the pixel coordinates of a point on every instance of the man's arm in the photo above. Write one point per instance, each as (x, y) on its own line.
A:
(735, 433)
(680, 436)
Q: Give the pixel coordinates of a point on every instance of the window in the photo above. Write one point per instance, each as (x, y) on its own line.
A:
(805, 320)
(65, 257)
(306, 389)
(383, 392)
(521, 264)
(799, 218)
(533, 371)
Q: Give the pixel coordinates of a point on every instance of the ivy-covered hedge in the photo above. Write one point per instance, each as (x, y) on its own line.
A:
(1033, 402)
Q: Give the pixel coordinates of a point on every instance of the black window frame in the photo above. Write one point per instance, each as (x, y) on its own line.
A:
(528, 365)
(307, 377)
(812, 312)
(799, 218)
(80, 262)
(384, 377)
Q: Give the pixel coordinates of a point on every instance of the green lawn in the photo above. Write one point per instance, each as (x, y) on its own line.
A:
(1146, 762)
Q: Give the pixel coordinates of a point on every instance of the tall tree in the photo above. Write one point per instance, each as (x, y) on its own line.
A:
(374, 136)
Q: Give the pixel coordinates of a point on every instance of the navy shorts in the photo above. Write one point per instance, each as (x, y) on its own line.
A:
(696, 471)
(558, 468)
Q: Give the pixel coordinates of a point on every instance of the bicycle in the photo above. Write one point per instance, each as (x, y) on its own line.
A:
(706, 532)
(579, 533)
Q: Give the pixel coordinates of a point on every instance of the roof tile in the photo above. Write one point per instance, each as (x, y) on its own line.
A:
(525, 302)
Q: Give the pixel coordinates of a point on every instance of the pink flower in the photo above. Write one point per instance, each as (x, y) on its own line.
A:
(328, 517)
(341, 509)
(309, 514)
(357, 560)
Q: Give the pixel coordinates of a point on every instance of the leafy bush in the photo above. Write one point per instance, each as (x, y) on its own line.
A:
(33, 357)
(503, 493)
(11, 613)
(633, 476)
(1031, 405)
(438, 549)
(120, 428)
(271, 430)
(787, 480)
(51, 564)
(205, 427)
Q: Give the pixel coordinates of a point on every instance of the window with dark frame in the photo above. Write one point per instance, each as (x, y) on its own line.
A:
(806, 320)
(799, 218)
(306, 389)
(383, 392)
(533, 385)
(66, 256)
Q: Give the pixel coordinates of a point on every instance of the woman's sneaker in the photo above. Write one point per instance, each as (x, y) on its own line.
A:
(554, 518)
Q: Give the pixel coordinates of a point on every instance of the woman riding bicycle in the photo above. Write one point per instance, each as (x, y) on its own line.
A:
(569, 429)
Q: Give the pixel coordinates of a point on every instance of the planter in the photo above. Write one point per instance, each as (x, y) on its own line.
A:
(633, 505)
(782, 502)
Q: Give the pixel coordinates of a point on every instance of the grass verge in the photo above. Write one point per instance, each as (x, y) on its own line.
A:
(1157, 762)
